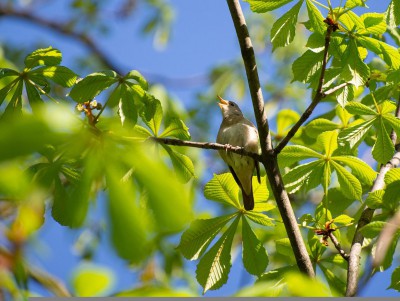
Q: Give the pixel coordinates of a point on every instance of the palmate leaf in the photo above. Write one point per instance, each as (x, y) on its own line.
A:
(395, 279)
(223, 188)
(361, 169)
(374, 199)
(374, 23)
(388, 53)
(284, 120)
(128, 223)
(92, 85)
(373, 229)
(393, 14)
(128, 110)
(316, 18)
(58, 74)
(255, 257)
(260, 192)
(45, 56)
(307, 66)
(328, 142)
(182, 164)
(383, 149)
(259, 218)
(284, 29)
(176, 128)
(33, 95)
(262, 6)
(152, 113)
(355, 71)
(357, 108)
(138, 77)
(355, 3)
(195, 240)
(319, 125)
(213, 268)
(14, 107)
(333, 280)
(355, 134)
(301, 175)
(348, 183)
(295, 153)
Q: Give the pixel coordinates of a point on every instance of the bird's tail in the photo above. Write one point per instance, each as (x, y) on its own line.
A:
(248, 200)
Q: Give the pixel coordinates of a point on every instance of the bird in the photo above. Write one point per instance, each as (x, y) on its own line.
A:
(236, 130)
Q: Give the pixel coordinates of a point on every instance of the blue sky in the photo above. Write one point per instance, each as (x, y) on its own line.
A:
(202, 37)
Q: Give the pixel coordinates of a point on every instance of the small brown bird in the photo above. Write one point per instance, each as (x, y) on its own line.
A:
(236, 130)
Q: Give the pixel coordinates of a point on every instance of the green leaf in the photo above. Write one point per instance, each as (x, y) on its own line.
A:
(306, 67)
(152, 113)
(393, 175)
(328, 141)
(138, 77)
(394, 122)
(357, 108)
(388, 53)
(317, 249)
(213, 268)
(383, 149)
(91, 280)
(344, 95)
(14, 107)
(300, 176)
(333, 280)
(372, 229)
(295, 153)
(348, 183)
(92, 85)
(255, 257)
(343, 220)
(260, 190)
(301, 285)
(395, 280)
(316, 18)
(284, 120)
(374, 199)
(33, 96)
(355, 134)
(5, 72)
(260, 218)
(182, 164)
(374, 23)
(355, 3)
(351, 21)
(284, 247)
(176, 128)
(319, 125)
(128, 111)
(361, 169)
(284, 29)
(195, 240)
(45, 56)
(262, 6)
(128, 223)
(393, 14)
(355, 71)
(223, 188)
(316, 42)
(5, 90)
(168, 198)
(58, 74)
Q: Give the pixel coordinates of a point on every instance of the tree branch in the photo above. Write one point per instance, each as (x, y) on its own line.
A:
(317, 98)
(366, 217)
(63, 29)
(338, 246)
(207, 145)
(268, 157)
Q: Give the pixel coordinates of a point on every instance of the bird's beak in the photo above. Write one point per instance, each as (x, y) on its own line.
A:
(222, 102)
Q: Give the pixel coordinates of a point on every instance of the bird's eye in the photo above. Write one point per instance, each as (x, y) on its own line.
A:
(231, 104)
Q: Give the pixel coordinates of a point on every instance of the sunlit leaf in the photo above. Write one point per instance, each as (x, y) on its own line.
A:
(255, 257)
(58, 74)
(223, 188)
(262, 6)
(284, 29)
(91, 280)
(213, 268)
(183, 165)
(45, 56)
(196, 239)
(316, 18)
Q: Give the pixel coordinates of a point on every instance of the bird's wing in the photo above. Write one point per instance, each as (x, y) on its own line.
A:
(235, 177)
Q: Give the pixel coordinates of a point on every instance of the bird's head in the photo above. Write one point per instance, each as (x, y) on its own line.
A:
(229, 108)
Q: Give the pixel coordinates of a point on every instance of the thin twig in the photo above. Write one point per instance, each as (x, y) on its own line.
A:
(65, 30)
(334, 89)
(365, 219)
(268, 158)
(317, 97)
(338, 246)
(207, 145)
